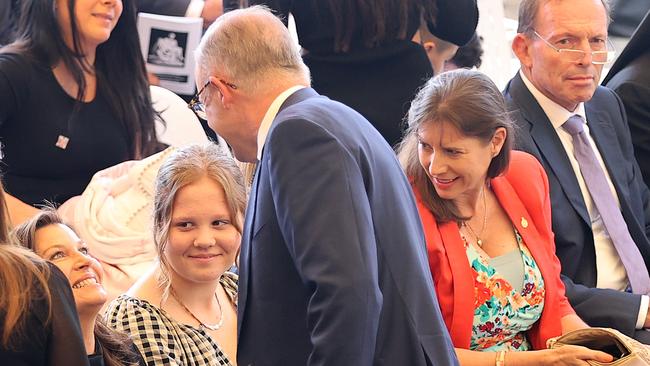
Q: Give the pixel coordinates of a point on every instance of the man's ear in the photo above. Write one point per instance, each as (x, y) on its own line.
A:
(521, 47)
(224, 93)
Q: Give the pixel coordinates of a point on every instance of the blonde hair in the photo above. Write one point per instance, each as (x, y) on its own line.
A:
(186, 166)
(23, 279)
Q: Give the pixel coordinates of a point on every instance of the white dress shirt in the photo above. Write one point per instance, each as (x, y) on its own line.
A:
(269, 116)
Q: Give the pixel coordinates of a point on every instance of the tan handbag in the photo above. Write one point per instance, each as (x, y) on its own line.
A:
(626, 351)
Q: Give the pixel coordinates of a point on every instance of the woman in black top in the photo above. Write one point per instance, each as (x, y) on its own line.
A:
(75, 99)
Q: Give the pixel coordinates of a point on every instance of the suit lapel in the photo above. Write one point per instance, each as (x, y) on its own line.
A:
(604, 136)
(298, 97)
(549, 145)
(462, 278)
(251, 210)
(244, 256)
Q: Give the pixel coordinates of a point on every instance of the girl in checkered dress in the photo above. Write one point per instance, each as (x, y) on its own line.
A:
(183, 312)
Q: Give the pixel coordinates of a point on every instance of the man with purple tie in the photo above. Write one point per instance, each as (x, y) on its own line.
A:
(578, 131)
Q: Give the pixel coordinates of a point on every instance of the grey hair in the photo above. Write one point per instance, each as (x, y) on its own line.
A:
(253, 48)
(528, 10)
(186, 166)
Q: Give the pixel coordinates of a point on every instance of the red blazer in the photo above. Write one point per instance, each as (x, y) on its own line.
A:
(523, 194)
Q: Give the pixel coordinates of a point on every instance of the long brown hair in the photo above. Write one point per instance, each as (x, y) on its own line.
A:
(471, 102)
(119, 66)
(23, 281)
(377, 20)
(115, 344)
(185, 166)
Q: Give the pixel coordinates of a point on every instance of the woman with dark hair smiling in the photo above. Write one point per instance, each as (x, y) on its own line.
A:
(57, 243)
(38, 320)
(75, 99)
(486, 215)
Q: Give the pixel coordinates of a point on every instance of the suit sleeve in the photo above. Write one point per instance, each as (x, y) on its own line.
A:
(325, 219)
(176, 8)
(604, 307)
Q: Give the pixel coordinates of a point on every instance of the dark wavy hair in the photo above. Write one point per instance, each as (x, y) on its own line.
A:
(114, 343)
(119, 66)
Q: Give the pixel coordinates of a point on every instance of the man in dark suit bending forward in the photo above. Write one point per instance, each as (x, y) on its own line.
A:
(333, 266)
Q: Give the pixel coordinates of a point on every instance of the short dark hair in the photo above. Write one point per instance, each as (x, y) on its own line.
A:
(469, 55)
(471, 102)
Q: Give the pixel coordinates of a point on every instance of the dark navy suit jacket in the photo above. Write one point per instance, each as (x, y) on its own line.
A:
(333, 259)
(571, 223)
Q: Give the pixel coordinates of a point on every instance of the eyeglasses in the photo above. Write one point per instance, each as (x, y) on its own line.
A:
(599, 57)
(197, 106)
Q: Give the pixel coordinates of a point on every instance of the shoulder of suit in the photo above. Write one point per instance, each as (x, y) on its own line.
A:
(522, 164)
(603, 92)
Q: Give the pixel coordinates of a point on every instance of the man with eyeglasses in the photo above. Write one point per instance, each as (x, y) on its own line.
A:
(333, 266)
(578, 131)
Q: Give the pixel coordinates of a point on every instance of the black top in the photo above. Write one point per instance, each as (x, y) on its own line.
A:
(34, 112)
(57, 342)
(378, 82)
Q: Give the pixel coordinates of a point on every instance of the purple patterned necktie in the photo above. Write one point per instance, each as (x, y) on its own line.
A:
(606, 204)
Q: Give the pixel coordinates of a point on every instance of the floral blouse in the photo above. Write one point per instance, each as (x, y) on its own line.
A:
(501, 314)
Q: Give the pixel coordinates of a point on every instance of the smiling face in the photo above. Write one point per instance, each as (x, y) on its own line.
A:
(456, 164)
(60, 245)
(95, 20)
(576, 24)
(202, 240)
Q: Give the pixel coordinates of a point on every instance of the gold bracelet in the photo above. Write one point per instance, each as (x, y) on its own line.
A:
(500, 360)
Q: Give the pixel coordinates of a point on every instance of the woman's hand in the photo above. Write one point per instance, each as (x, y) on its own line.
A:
(572, 355)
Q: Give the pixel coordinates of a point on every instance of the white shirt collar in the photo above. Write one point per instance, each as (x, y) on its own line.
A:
(265, 126)
(555, 112)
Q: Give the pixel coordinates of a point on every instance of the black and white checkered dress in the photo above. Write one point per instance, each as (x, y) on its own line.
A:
(163, 341)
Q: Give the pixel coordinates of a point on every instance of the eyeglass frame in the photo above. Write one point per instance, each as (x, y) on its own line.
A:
(195, 103)
(560, 51)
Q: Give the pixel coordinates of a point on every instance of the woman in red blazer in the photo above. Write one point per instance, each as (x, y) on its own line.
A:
(487, 220)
